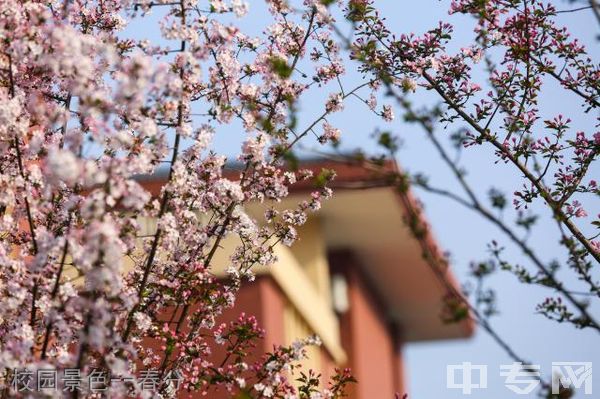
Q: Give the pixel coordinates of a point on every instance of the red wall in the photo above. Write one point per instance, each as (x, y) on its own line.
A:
(373, 351)
(262, 299)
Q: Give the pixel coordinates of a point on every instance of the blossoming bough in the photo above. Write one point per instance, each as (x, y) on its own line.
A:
(523, 53)
(84, 111)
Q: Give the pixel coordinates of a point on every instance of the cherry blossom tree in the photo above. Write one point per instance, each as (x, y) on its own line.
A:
(488, 99)
(85, 112)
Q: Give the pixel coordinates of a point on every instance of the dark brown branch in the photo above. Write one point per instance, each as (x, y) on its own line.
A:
(485, 135)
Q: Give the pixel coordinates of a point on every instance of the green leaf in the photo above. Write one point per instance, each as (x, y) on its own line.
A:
(280, 67)
(324, 177)
(243, 395)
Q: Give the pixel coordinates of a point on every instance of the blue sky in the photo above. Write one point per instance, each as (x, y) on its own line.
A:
(457, 230)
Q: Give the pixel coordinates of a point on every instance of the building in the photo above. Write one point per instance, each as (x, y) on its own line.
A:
(357, 278)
